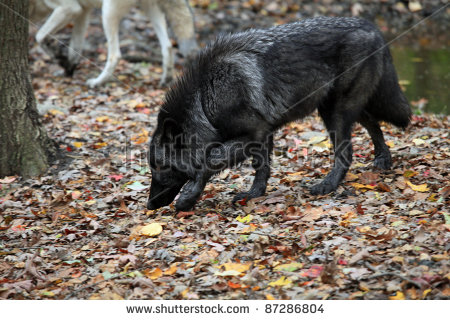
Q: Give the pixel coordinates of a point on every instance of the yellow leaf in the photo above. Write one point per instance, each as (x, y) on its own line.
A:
(99, 145)
(414, 6)
(141, 140)
(245, 219)
(269, 297)
(316, 139)
(362, 186)
(289, 266)
(364, 229)
(418, 142)
(248, 229)
(351, 176)
(420, 187)
(404, 82)
(185, 292)
(155, 273)
(152, 229)
(55, 112)
(398, 259)
(409, 173)
(239, 267)
(173, 268)
(282, 282)
(424, 294)
(78, 144)
(102, 119)
(229, 273)
(150, 212)
(48, 293)
(390, 143)
(399, 296)
(439, 257)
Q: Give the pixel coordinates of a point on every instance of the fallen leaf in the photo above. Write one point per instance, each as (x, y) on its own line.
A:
(7, 180)
(312, 272)
(420, 188)
(398, 296)
(245, 219)
(155, 273)
(238, 267)
(152, 229)
(362, 186)
(184, 214)
(290, 267)
(137, 186)
(234, 285)
(282, 282)
(229, 273)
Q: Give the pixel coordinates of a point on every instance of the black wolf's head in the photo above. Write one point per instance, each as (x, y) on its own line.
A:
(166, 164)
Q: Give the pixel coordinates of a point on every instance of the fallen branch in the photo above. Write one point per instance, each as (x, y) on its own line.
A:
(138, 59)
(92, 285)
(393, 274)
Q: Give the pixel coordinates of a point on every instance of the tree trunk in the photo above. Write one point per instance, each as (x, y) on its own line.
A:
(25, 148)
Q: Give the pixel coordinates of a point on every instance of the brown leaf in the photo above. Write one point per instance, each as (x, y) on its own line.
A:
(370, 178)
(359, 256)
(383, 187)
(184, 214)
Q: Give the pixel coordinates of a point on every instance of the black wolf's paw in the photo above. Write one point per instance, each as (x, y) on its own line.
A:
(185, 204)
(247, 196)
(383, 161)
(241, 196)
(322, 188)
(69, 69)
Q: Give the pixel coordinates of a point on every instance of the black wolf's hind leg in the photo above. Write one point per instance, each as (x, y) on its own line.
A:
(383, 158)
(261, 163)
(339, 126)
(64, 62)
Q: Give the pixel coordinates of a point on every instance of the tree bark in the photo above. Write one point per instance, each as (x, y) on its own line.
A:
(25, 148)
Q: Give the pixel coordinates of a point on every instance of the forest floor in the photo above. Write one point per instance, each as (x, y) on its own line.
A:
(82, 231)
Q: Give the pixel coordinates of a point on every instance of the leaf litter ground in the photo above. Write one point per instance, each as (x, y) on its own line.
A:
(82, 230)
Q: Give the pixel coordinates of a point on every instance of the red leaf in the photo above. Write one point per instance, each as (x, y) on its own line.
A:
(116, 177)
(312, 272)
(342, 262)
(234, 285)
(243, 202)
(359, 209)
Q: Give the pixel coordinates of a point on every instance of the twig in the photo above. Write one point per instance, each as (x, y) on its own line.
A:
(394, 274)
(75, 292)
(136, 59)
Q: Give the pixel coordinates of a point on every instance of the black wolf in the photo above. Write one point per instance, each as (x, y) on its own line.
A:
(243, 86)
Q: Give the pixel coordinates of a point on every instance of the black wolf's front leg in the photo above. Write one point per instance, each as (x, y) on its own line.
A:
(383, 159)
(192, 191)
(340, 127)
(261, 163)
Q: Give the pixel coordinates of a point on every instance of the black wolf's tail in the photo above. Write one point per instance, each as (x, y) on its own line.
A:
(388, 102)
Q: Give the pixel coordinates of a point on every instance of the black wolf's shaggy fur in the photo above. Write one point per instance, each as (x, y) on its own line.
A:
(244, 86)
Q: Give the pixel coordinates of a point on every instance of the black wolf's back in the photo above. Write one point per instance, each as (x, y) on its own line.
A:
(283, 73)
